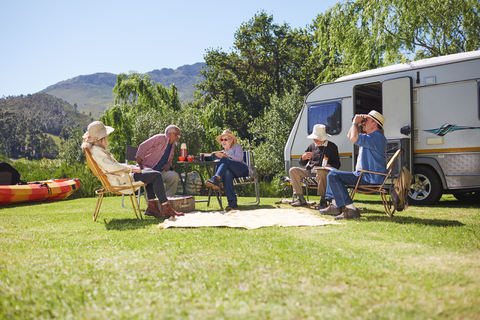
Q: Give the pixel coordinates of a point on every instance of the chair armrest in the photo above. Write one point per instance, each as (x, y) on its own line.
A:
(381, 174)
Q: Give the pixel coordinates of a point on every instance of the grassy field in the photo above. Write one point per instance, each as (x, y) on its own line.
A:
(55, 262)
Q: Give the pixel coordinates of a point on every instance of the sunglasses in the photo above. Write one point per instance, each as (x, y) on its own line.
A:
(225, 139)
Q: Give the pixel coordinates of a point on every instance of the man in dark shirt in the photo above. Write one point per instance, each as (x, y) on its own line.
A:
(313, 157)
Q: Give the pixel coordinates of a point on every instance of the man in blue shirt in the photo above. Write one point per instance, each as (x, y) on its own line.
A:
(371, 157)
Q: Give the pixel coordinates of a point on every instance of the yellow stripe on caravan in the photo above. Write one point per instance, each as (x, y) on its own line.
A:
(295, 156)
(447, 150)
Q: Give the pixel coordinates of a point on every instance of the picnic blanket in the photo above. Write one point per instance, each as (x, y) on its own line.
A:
(248, 219)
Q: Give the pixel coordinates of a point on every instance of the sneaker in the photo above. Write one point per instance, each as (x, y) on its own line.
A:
(214, 183)
(299, 202)
(349, 214)
(331, 210)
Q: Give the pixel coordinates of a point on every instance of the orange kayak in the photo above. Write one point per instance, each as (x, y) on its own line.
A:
(47, 190)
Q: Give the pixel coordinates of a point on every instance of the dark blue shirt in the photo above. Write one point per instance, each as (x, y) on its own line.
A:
(164, 158)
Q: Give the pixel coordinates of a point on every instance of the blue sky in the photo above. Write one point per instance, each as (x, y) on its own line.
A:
(45, 42)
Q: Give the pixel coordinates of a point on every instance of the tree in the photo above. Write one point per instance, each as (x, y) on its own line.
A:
(366, 34)
(135, 96)
(268, 58)
(431, 28)
(272, 130)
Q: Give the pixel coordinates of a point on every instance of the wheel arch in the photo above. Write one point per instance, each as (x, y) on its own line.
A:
(433, 163)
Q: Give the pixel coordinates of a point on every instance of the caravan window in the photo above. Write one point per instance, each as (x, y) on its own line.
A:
(328, 114)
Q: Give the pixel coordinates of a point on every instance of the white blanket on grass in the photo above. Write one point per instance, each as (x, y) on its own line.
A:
(248, 219)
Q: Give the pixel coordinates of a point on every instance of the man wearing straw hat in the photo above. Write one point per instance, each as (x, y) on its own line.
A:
(313, 157)
(371, 157)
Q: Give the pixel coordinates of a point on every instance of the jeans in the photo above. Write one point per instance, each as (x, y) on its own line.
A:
(336, 186)
(227, 170)
(154, 182)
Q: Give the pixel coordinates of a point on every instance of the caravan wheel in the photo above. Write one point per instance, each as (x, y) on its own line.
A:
(426, 188)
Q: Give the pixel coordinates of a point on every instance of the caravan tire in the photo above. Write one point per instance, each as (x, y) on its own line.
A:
(426, 188)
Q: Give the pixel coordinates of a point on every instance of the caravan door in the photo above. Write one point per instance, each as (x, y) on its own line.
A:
(397, 109)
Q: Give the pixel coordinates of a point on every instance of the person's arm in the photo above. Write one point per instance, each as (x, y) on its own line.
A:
(354, 132)
(307, 155)
(237, 153)
(139, 162)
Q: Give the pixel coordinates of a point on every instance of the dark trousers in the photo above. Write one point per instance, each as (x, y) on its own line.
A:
(154, 182)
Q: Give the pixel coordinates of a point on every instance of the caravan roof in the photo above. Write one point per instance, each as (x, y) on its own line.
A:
(414, 65)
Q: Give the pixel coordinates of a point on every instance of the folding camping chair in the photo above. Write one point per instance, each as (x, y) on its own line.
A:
(253, 179)
(131, 155)
(368, 189)
(108, 188)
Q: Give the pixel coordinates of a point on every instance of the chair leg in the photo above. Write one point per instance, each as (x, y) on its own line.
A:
(136, 207)
(386, 205)
(97, 207)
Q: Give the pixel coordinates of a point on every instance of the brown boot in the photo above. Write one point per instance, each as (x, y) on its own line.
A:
(153, 211)
(168, 211)
(349, 214)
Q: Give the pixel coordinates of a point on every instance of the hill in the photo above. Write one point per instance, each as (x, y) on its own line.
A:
(30, 125)
(93, 93)
(51, 113)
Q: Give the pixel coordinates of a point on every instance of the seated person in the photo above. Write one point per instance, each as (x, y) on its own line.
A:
(313, 157)
(96, 141)
(231, 166)
(157, 152)
(371, 157)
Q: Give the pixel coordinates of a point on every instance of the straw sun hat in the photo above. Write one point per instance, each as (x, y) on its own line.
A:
(96, 131)
(377, 117)
(227, 133)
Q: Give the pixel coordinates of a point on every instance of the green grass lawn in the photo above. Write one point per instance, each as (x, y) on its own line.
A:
(55, 262)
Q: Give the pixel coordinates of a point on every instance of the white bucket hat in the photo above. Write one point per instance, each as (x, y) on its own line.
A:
(319, 132)
(96, 131)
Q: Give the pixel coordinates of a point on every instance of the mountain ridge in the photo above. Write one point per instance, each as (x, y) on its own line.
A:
(92, 93)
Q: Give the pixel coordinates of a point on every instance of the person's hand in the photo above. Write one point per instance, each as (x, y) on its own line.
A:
(307, 155)
(136, 170)
(166, 167)
(358, 119)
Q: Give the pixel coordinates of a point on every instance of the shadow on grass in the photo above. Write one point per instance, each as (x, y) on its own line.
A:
(382, 216)
(134, 224)
(130, 224)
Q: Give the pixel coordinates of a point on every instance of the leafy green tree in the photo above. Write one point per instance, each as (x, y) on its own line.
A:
(365, 34)
(71, 141)
(429, 28)
(135, 95)
(268, 58)
(272, 131)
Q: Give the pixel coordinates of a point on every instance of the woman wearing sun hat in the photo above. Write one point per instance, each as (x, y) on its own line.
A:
(231, 166)
(96, 141)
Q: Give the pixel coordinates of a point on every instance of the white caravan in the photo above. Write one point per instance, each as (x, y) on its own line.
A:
(432, 112)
